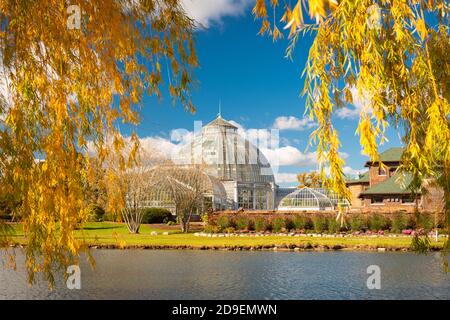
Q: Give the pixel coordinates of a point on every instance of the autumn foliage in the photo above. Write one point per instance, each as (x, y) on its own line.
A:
(394, 54)
(66, 90)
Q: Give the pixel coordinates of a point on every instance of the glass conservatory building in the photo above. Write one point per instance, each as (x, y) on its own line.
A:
(235, 163)
(214, 198)
(311, 199)
(239, 175)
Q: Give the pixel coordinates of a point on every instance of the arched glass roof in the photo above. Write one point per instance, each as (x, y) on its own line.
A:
(311, 199)
(159, 195)
(225, 154)
(335, 199)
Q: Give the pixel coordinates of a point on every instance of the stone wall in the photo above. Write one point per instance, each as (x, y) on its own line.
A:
(387, 206)
(355, 190)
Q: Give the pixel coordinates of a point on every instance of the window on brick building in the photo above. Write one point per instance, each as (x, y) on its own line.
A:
(407, 200)
(377, 200)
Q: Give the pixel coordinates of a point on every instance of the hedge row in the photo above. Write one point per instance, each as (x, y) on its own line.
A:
(150, 215)
(321, 223)
(157, 215)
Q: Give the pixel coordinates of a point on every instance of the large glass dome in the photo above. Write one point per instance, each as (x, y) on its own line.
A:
(226, 155)
(311, 199)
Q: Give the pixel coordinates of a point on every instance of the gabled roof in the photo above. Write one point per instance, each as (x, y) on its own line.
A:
(364, 178)
(397, 184)
(220, 122)
(390, 155)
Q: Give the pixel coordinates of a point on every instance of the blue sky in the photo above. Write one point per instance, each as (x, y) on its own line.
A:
(257, 86)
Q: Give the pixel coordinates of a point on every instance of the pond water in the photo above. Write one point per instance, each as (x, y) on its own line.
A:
(167, 274)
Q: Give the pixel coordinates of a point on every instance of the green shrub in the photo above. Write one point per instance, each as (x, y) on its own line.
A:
(333, 225)
(223, 222)
(378, 222)
(411, 222)
(269, 225)
(157, 215)
(303, 223)
(388, 223)
(95, 213)
(309, 224)
(260, 224)
(205, 218)
(320, 223)
(399, 222)
(277, 224)
(357, 223)
(299, 222)
(5, 216)
(251, 224)
(425, 221)
(170, 223)
(242, 223)
(374, 222)
(210, 229)
(229, 230)
(7, 207)
(110, 216)
(289, 224)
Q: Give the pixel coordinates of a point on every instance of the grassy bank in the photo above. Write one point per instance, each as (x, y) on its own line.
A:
(115, 235)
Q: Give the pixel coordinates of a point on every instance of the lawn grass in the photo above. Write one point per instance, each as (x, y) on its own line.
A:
(107, 234)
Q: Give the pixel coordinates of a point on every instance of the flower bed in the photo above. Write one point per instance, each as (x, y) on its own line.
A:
(321, 223)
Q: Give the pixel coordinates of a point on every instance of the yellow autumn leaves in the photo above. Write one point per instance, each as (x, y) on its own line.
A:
(293, 16)
(421, 28)
(70, 90)
(400, 66)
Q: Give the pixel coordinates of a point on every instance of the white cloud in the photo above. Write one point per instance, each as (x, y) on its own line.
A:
(168, 148)
(182, 136)
(289, 156)
(281, 177)
(293, 123)
(285, 177)
(276, 155)
(157, 146)
(348, 171)
(344, 155)
(207, 12)
(361, 102)
(253, 135)
(163, 146)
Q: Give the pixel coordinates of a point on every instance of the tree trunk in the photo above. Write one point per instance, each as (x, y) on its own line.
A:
(185, 220)
(132, 219)
(184, 225)
(136, 228)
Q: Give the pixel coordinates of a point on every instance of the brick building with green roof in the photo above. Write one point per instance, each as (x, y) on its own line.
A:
(384, 188)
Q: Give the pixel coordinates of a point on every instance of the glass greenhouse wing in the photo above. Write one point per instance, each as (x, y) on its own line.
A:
(311, 199)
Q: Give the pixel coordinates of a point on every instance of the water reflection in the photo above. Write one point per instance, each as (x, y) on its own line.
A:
(147, 274)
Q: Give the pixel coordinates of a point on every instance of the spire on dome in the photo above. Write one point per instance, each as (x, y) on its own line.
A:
(221, 122)
(219, 115)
